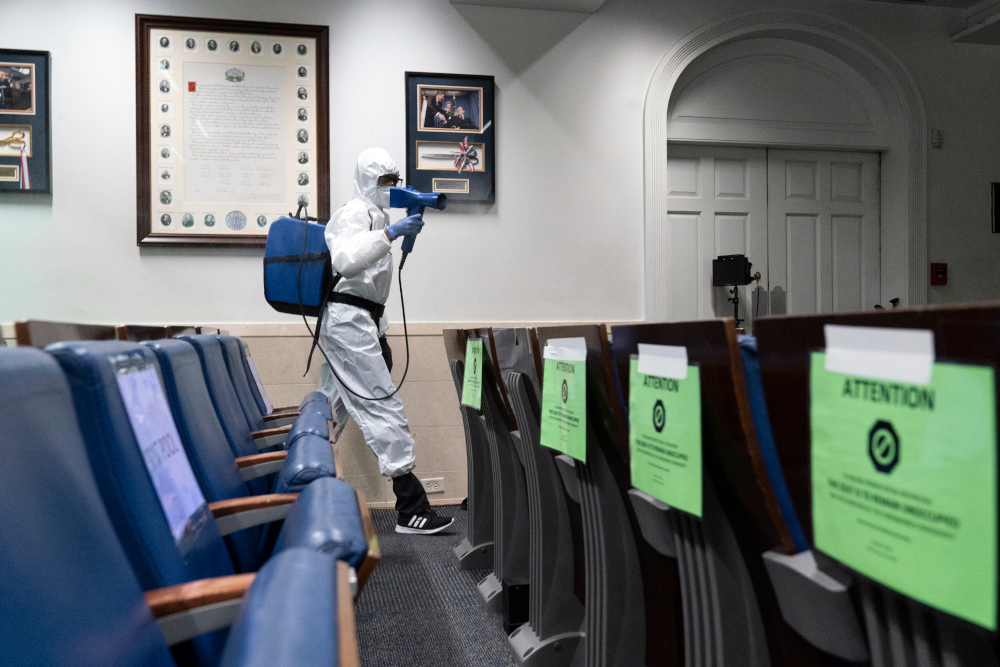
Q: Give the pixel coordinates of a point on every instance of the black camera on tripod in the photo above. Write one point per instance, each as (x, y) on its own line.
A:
(733, 271)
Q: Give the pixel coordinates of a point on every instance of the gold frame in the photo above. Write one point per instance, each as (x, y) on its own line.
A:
(34, 89)
(420, 97)
(17, 173)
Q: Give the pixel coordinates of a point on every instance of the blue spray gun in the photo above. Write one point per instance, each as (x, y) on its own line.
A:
(414, 201)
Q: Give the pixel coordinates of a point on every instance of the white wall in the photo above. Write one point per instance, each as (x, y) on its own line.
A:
(564, 241)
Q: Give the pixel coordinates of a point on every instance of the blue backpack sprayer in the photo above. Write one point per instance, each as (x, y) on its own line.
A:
(299, 277)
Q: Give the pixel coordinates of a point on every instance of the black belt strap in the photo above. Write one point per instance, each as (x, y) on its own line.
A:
(374, 309)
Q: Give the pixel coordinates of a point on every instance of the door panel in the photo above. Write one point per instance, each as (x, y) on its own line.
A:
(823, 230)
(808, 220)
(717, 205)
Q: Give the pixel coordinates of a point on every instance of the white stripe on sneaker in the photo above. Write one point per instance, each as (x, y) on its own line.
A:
(422, 522)
(412, 519)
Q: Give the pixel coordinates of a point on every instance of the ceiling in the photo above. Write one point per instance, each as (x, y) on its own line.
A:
(591, 6)
(982, 24)
(579, 6)
(961, 4)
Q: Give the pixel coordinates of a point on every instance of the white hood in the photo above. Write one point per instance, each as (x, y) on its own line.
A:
(372, 163)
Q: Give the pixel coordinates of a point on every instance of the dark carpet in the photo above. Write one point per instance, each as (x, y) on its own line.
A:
(419, 609)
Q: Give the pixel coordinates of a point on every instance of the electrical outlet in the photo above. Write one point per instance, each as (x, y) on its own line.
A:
(433, 484)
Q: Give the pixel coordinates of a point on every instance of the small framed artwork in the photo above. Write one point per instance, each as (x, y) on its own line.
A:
(25, 125)
(994, 200)
(232, 128)
(451, 136)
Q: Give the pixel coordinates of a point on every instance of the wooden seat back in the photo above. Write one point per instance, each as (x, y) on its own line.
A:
(642, 576)
(896, 626)
(39, 333)
(732, 461)
(140, 332)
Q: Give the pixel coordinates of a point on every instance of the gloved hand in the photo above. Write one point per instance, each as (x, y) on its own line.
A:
(410, 226)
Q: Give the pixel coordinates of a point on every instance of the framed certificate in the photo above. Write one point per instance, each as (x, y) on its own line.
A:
(232, 121)
(25, 125)
(450, 136)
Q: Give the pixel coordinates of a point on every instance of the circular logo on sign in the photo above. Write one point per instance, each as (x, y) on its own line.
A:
(883, 446)
(236, 220)
(659, 416)
(565, 391)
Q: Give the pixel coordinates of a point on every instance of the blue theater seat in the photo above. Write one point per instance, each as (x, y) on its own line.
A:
(203, 433)
(246, 389)
(299, 584)
(241, 383)
(239, 428)
(314, 400)
(68, 594)
(92, 368)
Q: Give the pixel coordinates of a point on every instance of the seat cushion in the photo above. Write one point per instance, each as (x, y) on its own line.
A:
(309, 459)
(289, 615)
(308, 423)
(326, 518)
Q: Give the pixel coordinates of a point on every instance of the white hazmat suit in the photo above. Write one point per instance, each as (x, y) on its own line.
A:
(360, 253)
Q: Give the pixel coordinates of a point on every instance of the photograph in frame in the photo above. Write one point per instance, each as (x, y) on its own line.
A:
(444, 109)
(25, 123)
(220, 152)
(451, 135)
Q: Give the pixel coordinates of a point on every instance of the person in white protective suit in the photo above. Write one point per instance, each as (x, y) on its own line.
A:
(353, 334)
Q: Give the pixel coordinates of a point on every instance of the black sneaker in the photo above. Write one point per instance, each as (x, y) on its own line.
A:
(425, 523)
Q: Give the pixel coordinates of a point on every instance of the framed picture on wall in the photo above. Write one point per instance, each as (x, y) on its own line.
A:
(232, 128)
(25, 124)
(450, 136)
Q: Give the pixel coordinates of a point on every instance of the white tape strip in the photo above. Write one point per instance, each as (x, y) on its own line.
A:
(668, 361)
(901, 355)
(565, 349)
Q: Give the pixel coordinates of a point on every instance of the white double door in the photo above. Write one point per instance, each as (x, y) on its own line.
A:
(807, 220)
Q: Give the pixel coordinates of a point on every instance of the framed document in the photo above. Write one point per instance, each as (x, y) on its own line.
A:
(450, 136)
(25, 125)
(231, 128)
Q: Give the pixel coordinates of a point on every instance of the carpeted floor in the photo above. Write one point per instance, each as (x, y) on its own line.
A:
(419, 609)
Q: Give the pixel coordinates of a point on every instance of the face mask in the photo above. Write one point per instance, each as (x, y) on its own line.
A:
(382, 196)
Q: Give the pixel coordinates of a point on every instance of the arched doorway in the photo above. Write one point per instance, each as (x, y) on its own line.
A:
(807, 81)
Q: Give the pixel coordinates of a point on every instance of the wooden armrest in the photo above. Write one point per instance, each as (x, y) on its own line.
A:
(287, 407)
(267, 432)
(174, 599)
(254, 459)
(374, 552)
(287, 415)
(222, 508)
(346, 630)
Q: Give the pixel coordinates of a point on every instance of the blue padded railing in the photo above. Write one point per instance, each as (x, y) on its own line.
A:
(765, 440)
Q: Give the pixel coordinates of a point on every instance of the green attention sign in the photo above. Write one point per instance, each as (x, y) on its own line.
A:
(665, 437)
(904, 483)
(472, 383)
(564, 407)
